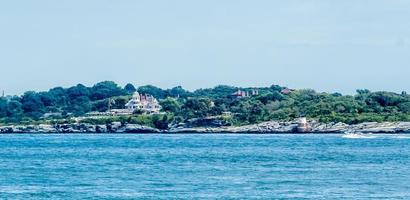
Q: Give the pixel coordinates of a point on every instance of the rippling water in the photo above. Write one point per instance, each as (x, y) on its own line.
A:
(204, 167)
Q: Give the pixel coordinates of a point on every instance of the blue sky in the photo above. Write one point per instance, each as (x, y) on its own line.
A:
(335, 46)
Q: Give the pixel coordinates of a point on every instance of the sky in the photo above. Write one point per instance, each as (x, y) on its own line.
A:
(332, 46)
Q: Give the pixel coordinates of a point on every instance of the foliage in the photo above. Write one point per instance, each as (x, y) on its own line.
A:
(170, 105)
(106, 89)
(130, 88)
(152, 90)
(181, 105)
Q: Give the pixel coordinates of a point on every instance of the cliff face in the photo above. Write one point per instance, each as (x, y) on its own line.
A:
(266, 127)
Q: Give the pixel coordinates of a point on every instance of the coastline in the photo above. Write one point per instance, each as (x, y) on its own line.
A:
(271, 127)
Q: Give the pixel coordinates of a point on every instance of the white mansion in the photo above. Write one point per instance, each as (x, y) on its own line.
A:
(144, 102)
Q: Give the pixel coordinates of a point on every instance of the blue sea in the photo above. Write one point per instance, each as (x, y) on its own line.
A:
(204, 166)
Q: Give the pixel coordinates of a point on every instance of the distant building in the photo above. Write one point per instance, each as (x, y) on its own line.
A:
(52, 115)
(139, 102)
(254, 92)
(143, 102)
(239, 94)
(286, 91)
(243, 94)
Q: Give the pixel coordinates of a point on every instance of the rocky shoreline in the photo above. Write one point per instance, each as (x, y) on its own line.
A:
(271, 127)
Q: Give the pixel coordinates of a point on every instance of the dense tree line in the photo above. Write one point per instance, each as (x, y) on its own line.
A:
(76, 100)
(271, 104)
(181, 105)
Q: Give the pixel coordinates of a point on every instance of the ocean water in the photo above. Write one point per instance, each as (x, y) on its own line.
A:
(195, 166)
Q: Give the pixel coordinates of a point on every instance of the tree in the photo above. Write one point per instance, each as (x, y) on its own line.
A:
(405, 107)
(170, 105)
(152, 90)
(14, 110)
(218, 91)
(119, 102)
(362, 94)
(386, 98)
(106, 89)
(363, 91)
(80, 105)
(197, 107)
(100, 106)
(250, 111)
(129, 88)
(270, 104)
(274, 96)
(32, 104)
(160, 122)
(77, 91)
(276, 88)
(178, 92)
(55, 97)
(3, 107)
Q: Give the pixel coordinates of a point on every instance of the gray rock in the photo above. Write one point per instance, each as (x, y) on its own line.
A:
(101, 129)
(135, 128)
(45, 128)
(265, 127)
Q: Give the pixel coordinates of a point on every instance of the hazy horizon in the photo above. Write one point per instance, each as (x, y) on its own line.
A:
(331, 46)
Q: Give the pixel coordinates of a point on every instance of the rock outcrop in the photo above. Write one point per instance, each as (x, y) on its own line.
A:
(265, 127)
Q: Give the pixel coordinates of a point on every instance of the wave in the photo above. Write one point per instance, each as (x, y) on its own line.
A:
(402, 137)
(358, 136)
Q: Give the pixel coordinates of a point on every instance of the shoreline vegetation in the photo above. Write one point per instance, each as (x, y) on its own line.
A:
(102, 108)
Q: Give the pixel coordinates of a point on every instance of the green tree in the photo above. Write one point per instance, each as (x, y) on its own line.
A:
(160, 122)
(404, 107)
(170, 105)
(14, 110)
(178, 92)
(3, 107)
(78, 91)
(129, 88)
(152, 90)
(100, 105)
(55, 97)
(105, 90)
(216, 92)
(32, 105)
(197, 107)
(80, 106)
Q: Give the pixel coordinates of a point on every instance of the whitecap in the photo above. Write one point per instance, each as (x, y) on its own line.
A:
(403, 137)
(358, 136)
